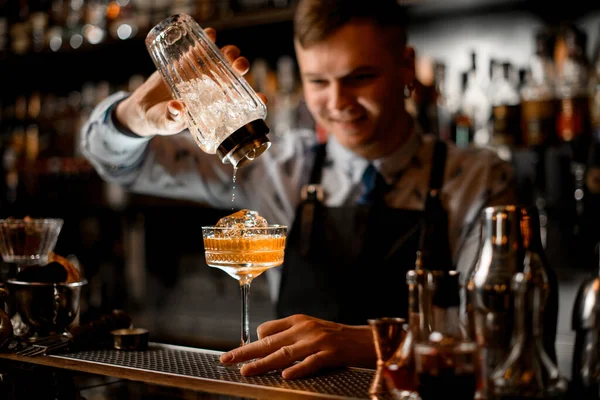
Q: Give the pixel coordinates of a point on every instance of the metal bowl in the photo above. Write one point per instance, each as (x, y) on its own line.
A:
(130, 339)
(45, 308)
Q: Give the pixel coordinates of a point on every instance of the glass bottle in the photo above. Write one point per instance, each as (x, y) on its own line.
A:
(535, 263)
(528, 372)
(446, 363)
(506, 109)
(489, 299)
(224, 114)
(462, 128)
(538, 99)
(475, 104)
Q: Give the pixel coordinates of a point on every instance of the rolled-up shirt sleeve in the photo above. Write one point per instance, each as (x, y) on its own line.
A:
(116, 156)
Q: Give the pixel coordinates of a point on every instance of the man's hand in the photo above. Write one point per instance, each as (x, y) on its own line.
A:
(313, 343)
(151, 109)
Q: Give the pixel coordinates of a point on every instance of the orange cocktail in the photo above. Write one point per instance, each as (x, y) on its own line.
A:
(244, 252)
(245, 258)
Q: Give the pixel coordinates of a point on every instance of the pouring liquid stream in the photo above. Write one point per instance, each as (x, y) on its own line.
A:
(233, 189)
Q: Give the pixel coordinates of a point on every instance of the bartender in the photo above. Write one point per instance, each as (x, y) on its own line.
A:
(354, 203)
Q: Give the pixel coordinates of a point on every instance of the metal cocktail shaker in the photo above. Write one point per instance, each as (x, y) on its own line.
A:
(224, 114)
(510, 243)
(585, 382)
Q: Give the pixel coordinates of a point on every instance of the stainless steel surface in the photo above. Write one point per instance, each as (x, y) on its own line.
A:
(198, 365)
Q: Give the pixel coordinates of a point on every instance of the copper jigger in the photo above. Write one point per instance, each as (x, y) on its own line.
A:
(388, 333)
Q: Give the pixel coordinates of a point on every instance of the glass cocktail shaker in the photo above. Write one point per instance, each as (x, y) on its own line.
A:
(224, 114)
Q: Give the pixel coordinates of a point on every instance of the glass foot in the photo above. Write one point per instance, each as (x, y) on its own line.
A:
(232, 367)
(229, 367)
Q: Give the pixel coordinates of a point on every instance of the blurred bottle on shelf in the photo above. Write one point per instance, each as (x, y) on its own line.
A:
(462, 128)
(95, 29)
(287, 101)
(538, 98)
(4, 23)
(506, 110)
(56, 31)
(38, 22)
(475, 103)
(123, 19)
(19, 27)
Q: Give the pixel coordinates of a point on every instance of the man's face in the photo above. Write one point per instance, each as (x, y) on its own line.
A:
(354, 87)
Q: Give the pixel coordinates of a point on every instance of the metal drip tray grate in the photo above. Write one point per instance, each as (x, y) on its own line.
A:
(202, 365)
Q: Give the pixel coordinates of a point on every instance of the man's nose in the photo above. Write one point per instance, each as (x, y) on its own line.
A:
(340, 97)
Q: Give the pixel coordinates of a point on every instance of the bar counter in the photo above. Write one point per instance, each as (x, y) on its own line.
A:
(163, 371)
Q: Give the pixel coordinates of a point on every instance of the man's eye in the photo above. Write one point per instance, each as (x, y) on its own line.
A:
(318, 82)
(363, 77)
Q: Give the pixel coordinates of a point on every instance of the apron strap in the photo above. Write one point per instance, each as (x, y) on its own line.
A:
(312, 198)
(435, 218)
(317, 169)
(436, 179)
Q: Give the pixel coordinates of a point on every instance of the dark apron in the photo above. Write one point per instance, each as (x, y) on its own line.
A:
(349, 264)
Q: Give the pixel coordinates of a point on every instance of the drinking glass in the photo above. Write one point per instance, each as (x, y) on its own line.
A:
(28, 241)
(244, 253)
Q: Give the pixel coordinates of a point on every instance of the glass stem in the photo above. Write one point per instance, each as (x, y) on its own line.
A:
(245, 288)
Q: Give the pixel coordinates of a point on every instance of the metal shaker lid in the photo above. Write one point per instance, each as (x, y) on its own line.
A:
(245, 144)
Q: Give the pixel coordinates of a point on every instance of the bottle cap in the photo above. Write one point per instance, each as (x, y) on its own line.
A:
(245, 144)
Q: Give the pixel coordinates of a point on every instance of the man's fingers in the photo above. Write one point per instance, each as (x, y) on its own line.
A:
(281, 358)
(272, 327)
(211, 33)
(241, 65)
(231, 52)
(260, 348)
(309, 366)
(262, 97)
(166, 118)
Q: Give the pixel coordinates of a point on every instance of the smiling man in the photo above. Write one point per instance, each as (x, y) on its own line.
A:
(349, 247)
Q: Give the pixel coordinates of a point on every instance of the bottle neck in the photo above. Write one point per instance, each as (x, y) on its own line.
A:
(501, 229)
(501, 247)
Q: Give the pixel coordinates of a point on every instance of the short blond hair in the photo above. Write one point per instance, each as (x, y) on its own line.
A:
(315, 20)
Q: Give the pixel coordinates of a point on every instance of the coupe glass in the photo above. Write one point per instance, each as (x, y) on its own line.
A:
(244, 253)
(28, 241)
